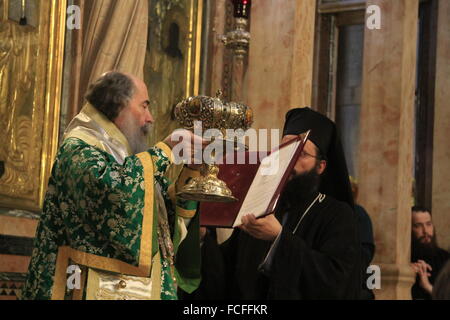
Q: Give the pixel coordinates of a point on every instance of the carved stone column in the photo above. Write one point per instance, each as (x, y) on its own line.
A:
(280, 70)
(386, 150)
(441, 150)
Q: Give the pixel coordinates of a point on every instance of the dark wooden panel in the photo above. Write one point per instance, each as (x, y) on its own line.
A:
(19, 246)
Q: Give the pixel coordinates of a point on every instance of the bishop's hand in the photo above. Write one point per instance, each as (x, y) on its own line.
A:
(186, 147)
(267, 228)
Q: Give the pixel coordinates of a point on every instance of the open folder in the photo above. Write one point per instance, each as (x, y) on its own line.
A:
(256, 184)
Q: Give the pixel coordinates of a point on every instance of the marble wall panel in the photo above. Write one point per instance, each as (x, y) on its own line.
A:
(279, 74)
(441, 145)
(386, 141)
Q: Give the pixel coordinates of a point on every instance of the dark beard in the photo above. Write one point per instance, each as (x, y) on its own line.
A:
(423, 251)
(301, 187)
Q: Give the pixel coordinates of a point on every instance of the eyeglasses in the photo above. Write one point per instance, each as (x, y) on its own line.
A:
(305, 154)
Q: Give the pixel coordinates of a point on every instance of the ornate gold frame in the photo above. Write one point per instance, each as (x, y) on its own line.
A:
(24, 184)
(4, 12)
(171, 79)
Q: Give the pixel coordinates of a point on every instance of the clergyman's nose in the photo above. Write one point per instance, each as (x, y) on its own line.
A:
(149, 118)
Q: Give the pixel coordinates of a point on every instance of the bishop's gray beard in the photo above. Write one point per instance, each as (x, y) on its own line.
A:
(136, 135)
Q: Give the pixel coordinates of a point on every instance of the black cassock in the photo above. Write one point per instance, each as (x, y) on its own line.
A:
(437, 261)
(321, 260)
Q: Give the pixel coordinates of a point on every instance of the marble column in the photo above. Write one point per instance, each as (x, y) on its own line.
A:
(386, 141)
(441, 146)
(217, 47)
(280, 70)
(303, 54)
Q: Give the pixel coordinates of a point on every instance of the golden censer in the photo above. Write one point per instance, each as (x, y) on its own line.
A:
(212, 113)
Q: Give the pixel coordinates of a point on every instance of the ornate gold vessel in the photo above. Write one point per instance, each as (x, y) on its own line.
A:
(212, 113)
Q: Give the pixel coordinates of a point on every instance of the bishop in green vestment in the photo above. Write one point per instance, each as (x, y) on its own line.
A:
(110, 212)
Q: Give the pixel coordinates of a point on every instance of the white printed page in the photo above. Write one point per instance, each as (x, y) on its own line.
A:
(266, 182)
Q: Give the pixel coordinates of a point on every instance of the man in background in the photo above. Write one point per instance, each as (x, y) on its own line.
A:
(426, 256)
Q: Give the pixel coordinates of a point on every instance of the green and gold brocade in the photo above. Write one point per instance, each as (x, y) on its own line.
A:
(103, 215)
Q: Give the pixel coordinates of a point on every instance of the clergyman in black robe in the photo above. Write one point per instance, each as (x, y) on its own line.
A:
(426, 256)
(310, 247)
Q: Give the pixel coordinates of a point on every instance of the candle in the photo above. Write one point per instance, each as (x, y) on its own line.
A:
(23, 18)
(242, 8)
